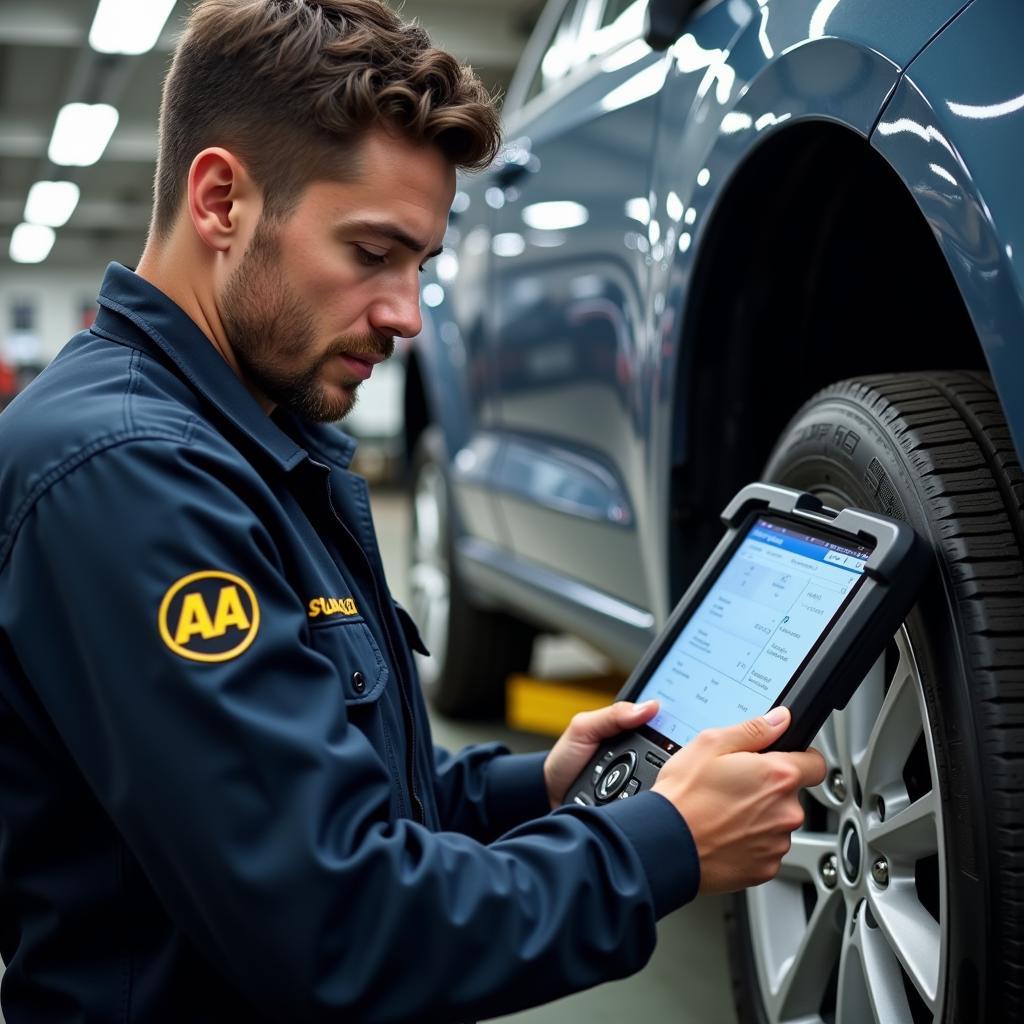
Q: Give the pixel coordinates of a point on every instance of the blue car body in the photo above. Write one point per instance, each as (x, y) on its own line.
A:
(678, 248)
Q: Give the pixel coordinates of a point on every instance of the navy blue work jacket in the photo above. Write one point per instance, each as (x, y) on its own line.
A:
(219, 800)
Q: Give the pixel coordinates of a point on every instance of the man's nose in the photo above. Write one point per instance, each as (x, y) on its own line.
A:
(398, 313)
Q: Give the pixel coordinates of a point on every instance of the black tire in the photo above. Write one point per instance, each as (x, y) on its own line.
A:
(476, 649)
(934, 449)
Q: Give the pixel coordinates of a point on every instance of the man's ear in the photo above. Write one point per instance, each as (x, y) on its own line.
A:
(223, 201)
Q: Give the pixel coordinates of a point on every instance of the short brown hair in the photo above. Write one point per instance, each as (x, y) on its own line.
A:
(292, 86)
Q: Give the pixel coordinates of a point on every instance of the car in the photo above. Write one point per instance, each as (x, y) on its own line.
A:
(776, 239)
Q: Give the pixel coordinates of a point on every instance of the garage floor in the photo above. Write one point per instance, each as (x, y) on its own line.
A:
(687, 979)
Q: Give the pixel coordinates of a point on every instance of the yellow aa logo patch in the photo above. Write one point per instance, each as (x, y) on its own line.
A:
(209, 616)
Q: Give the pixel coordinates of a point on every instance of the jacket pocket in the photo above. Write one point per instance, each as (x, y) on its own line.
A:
(351, 647)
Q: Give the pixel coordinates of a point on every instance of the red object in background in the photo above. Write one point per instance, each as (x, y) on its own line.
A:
(8, 382)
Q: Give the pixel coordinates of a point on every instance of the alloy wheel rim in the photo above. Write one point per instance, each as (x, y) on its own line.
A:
(852, 930)
(429, 570)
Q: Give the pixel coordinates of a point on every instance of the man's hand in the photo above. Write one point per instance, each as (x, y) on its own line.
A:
(740, 806)
(578, 744)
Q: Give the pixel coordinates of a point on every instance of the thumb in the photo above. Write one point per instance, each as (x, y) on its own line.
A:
(602, 724)
(756, 733)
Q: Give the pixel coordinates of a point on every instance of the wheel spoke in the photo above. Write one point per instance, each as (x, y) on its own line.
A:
(870, 987)
(910, 834)
(895, 732)
(805, 855)
(806, 975)
(912, 934)
(853, 725)
(778, 921)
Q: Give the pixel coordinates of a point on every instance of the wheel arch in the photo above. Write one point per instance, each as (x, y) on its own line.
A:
(779, 310)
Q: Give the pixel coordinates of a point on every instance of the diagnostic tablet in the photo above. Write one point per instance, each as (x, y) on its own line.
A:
(792, 608)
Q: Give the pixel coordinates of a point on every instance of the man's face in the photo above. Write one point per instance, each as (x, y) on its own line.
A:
(320, 296)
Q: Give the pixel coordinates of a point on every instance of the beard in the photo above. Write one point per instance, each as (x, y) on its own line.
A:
(272, 332)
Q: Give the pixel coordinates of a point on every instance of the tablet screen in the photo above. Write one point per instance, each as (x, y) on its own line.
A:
(761, 620)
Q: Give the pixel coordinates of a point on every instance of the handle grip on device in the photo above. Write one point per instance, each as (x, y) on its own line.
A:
(893, 541)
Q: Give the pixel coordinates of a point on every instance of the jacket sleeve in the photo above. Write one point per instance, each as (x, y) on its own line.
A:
(484, 790)
(259, 812)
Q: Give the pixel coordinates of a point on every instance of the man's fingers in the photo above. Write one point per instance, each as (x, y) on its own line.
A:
(799, 769)
(811, 766)
(594, 726)
(755, 733)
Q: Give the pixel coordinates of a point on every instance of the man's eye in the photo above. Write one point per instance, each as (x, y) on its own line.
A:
(370, 259)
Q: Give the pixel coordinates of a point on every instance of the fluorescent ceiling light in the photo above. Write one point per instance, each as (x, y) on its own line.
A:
(639, 209)
(128, 26)
(555, 216)
(433, 295)
(51, 203)
(447, 267)
(81, 133)
(509, 243)
(31, 243)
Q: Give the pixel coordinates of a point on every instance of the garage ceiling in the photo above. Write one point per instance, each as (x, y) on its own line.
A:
(46, 62)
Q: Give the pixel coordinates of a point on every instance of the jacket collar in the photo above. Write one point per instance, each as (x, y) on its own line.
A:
(134, 311)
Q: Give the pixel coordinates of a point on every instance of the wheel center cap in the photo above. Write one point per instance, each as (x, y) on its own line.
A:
(849, 852)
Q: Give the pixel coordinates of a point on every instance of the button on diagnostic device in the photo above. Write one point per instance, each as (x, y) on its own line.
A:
(614, 778)
(631, 787)
(601, 765)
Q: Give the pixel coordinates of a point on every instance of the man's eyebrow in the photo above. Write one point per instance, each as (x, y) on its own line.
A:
(396, 234)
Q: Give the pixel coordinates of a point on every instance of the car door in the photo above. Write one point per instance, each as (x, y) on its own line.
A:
(570, 252)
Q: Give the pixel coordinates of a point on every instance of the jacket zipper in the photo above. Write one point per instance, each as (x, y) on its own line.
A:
(410, 730)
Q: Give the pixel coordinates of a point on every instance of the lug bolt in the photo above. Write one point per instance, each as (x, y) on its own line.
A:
(829, 869)
(837, 786)
(880, 872)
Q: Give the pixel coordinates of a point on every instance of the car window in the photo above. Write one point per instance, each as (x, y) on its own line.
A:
(558, 56)
(613, 9)
(622, 21)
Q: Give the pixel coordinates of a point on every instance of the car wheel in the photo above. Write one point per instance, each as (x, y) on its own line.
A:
(900, 901)
(473, 650)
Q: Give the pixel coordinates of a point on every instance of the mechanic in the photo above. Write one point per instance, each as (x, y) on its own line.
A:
(219, 797)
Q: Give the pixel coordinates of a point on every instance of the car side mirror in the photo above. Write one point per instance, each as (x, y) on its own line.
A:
(664, 21)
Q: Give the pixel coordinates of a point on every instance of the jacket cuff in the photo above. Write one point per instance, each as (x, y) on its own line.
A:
(665, 846)
(515, 789)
